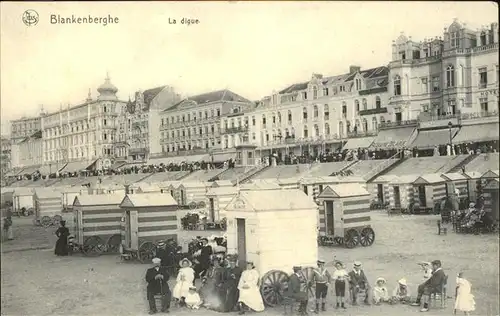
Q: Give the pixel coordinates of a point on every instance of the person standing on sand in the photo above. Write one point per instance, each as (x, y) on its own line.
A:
(7, 226)
(62, 234)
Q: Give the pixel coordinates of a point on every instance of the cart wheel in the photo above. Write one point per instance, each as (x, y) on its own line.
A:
(338, 240)
(308, 286)
(351, 238)
(273, 287)
(93, 246)
(56, 219)
(113, 244)
(45, 221)
(146, 252)
(367, 237)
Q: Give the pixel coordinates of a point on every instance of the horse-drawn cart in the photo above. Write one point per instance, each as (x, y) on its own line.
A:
(267, 227)
(97, 224)
(147, 219)
(344, 220)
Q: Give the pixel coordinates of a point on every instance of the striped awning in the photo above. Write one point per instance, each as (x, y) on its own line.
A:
(477, 133)
(76, 166)
(362, 142)
(430, 139)
(393, 138)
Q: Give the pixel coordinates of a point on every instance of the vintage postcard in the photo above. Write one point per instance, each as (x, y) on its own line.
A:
(280, 158)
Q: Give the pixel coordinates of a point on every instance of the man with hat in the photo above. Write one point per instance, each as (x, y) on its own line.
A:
(295, 291)
(229, 290)
(358, 282)
(322, 278)
(162, 254)
(157, 278)
(431, 285)
(204, 258)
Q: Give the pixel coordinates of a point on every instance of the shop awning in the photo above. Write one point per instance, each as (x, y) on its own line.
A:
(477, 133)
(221, 157)
(76, 166)
(393, 138)
(13, 172)
(29, 170)
(48, 169)
(362, 142)
(196, 158)
(430, 139)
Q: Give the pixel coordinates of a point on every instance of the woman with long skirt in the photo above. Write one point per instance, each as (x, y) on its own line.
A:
(212, 283)
(62, 234)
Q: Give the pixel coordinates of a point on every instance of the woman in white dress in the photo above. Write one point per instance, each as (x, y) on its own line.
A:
(185, 279)
(250, 297)
(464, 301)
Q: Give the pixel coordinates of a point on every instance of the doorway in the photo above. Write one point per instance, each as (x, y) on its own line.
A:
(399, 117)
(380, 193)
(421, 196)
(182, 198)
(397, 197)
(212, 209)
(329, 220)
(242, 242)
(128, 229)
(305, 190)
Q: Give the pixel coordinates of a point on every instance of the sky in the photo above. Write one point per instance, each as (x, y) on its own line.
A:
(251, 48)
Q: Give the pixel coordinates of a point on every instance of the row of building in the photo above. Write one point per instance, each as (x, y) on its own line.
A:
(449, 76)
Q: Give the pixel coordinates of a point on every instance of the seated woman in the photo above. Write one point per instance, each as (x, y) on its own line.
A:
(380, 293)
(211, 285)
(193, 299)
(401, 293)
(250, 297)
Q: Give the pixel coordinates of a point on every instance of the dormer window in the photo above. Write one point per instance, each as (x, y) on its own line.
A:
(358, 84)
(454, 39)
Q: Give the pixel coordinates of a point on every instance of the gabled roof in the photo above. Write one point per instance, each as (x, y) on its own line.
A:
(295, 87)
(455, 176)
(271, 200)
(490, 174)
(148, 96)
(217, 191)
(98, 199)
(194, 184)
(472, 174)
(44, 193)
(148, 199)
(371, 73)
(215, 96)
(222, 183)
(492, 185)
(343, 190)
(431, 178)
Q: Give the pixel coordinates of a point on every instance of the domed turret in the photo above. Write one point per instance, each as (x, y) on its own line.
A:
(107, 91)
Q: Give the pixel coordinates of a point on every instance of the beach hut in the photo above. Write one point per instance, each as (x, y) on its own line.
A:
(222, 183)
(379, 189)
(401, 192)
(147, 219)
(456, 183)
(193, 194)
(142, 187)
(171, 187)
(97, 222)
(22, 198)
(313, 186)
(474, 182)
(218, 199)
(491, 198)
(48, 206)
(429, 190)
(69, 194)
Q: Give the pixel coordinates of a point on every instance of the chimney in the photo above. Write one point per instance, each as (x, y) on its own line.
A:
(353, 69)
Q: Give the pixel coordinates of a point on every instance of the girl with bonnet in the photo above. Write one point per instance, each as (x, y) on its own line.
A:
(185, 279)
(464, 301)
(380, 293)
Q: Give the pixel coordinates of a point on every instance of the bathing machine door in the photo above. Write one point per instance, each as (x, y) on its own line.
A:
(241, 237)
(131, 230)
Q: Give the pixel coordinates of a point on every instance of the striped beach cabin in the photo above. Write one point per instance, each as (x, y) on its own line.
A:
(491, 198)
(148, 218)
(456, 182)
(312, 186)
(401, 191)
(69, 194)
(489, 175)
(22, 197)
(473, 181)
(218, 199)
(110, 188)
(343, 207)
(195, 191)
(98, 215)
(429, 189)
(47, 202)
(379, 188)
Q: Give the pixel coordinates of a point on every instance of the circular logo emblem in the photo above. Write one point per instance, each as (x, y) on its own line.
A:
(30, 17)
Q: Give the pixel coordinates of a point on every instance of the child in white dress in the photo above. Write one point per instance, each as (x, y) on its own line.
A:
(192, 299)
(185, 279)
(464, 301)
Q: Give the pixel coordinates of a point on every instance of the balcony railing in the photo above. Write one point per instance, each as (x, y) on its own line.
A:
(181, 152)
(388, 125)
(373, 111)
(142, 150)
(469, 116)
(235, 130)
(361, 134)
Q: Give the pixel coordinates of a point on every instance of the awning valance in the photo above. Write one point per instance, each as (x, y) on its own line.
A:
(362, 142)
(76, 166)
(393, 138)
(29, 170)
(432, 138)
(49, 169)
(223, 157)
(477, 133)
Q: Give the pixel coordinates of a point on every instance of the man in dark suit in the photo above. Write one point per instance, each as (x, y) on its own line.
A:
(431, 285)
(358, 282)
(157, 278)
(295, 291)
(204, 258)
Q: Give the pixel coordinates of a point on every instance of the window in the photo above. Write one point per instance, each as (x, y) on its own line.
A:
(305, 132)
(279, 117)
(483, 77)
(274, 119)
(267, 137)
(183, 118)
(425, 86)
(341, 129)
(289, 117)
(253, 136)
(315, 92)
(315, 111)
(348, 126)
(218, 112)
(382, 120)
(397, 85)
(253, 120)
(435, 83)
(484, 104)
(377, 102)
(275, 99)
(342, 88)
(264, 120)
(304, 95)
(356, 106)
(365, 125)
(482, 39)
(304, 114)
(358, 84)
(365, 105)
(462, 103)
(450, 76)
(344, 110)
(327, 129)
(325, 91)
(374, 123)
(454, 39)
(327, 112)
(425, 108)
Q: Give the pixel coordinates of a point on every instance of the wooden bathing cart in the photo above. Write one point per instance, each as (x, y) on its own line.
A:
(344, 216)
(97, 223)
(430, 190)
(48, 207)
(267, 227)
(147, 219)
(22, 201)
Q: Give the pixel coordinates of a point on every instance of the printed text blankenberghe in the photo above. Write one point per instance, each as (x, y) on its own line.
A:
(104, 20)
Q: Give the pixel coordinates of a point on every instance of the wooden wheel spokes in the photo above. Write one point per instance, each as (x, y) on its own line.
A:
(272, 288)
(351, 238)
(114, 242)
(338, 240)
(146, 252)
(308, 273)
(367, 237)
(93, 246)
(45, 221)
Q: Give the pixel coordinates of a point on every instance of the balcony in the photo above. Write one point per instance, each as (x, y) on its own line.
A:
(485, 48)
(134, 151)
(389, 125)
(373, 111)
(235, 130)
(372, 91)
(359, 134)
